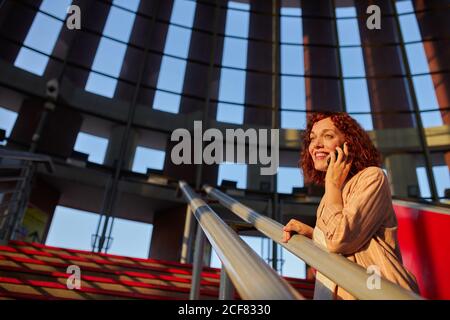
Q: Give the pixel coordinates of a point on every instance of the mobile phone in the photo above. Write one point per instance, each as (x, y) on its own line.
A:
(336, 153)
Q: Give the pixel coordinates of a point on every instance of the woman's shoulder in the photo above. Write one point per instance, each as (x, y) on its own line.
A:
(372, 171)
(370, 175)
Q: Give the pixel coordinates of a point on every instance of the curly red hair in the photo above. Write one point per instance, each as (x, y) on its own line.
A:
(361, 148)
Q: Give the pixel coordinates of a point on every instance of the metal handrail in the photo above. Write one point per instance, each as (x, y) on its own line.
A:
(346, 274)
(27, 156)
(13, 208)
(251, 276)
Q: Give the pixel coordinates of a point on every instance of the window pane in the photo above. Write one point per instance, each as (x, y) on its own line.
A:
(235, 53)
(237, 21)
(292, 265)
(230, 113)
(352, 62)
(288, 178)
(416, 57)
(109, 52)
(233, 172)
(293, 120)
(94, 146)
(131, 238)
(232, 86)
(356, 95)
(292, 61)
(167, 102)
(128, 4)
(345, 12)
(71, 228)
(441, 177)
(172, 74)
(292, 93)
(148, 158)
(7, 121)
(120, 31)
(57, 8)
(177, 42)
(291, 27)
(426, 99)
(348, 32)
(408, 22)
(183, 12)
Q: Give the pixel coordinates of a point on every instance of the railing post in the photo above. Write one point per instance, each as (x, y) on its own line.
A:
(23, 203)
(186, 248)
(226, 290)
(17, 204)
(198, 264)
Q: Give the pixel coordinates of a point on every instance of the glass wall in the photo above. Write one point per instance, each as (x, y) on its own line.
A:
(118, 49)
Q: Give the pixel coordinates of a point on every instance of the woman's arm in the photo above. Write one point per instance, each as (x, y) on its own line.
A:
(297, 227)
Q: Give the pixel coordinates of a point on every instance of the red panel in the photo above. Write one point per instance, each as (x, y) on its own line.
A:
(424, 238)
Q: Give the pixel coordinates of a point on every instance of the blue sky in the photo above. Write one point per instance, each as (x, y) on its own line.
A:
(109, 60)
(72, 228)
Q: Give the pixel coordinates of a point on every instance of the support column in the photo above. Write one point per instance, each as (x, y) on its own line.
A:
(157, 44)
(64, 45)
(436, 24)
(255, 181)
(59, 134)
(187, 247)
(84, 44)
(201, 80)
(321, 94)
(167, 234)
(402, 174)
(183, 171)
(258, 86)
(134, 56)
(386, 94)
(115, 140)
(200, 48)
(15, 22)
(43, 201)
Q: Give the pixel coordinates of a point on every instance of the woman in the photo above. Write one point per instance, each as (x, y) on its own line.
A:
(355, 217)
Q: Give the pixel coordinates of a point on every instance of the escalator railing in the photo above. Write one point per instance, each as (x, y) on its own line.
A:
(250, 275)
(337, 268)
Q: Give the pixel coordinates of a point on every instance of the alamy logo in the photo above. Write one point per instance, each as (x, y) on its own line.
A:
(213, 153)
(374, 280)
(374, 21)
(74, 280)
(74, 18)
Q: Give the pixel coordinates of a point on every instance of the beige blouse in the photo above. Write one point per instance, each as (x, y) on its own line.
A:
(364, 230)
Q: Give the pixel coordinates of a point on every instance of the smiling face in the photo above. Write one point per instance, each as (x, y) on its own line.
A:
(325, 137)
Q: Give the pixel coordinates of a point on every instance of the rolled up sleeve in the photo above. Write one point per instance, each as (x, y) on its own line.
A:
(348, 228)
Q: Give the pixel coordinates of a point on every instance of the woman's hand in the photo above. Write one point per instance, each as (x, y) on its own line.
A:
(297, 227)
(338, 169)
